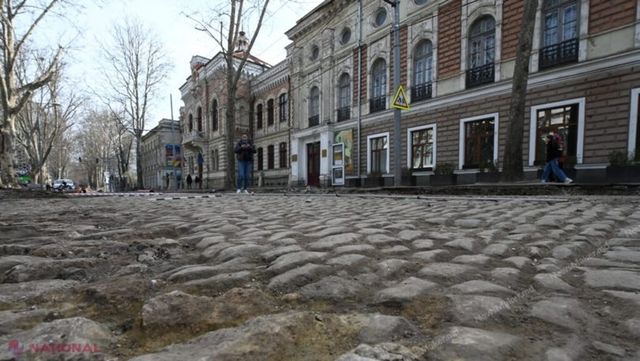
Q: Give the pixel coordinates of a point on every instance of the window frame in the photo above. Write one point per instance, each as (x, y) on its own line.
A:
(259, 116)
(533, 124)
(271, 157)
(190, 124)
(375, 17)
(482, 36)
(283, 113)
(376, 136)
(282, 155)
(434, 128)
(214, 115)
(199, 119)
(260, 158)
(270, 112)
(314, 104)
(462, 136)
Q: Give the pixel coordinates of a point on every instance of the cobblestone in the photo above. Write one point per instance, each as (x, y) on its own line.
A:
(360, 279)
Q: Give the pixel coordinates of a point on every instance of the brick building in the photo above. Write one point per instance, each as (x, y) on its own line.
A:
(203, 116)
(457, 60)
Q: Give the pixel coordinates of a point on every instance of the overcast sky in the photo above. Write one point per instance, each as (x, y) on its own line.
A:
(168, 20)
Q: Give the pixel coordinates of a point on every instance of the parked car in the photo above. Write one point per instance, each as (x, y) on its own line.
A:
(63, 184)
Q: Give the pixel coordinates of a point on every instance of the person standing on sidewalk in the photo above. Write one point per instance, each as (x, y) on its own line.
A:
(553, 154)
(189, 181)
(244, 150)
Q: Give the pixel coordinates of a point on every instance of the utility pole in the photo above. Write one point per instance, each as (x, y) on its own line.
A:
(397, 173)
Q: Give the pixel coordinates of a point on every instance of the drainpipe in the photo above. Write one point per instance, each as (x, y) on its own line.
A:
(359, 92)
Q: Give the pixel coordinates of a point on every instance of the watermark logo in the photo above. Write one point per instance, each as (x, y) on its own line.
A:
(17, 349)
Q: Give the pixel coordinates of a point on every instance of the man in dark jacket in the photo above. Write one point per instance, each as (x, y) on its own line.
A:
(553, 154)
(244, 150)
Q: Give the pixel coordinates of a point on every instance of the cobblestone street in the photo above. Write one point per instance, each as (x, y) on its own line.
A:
(307, 277)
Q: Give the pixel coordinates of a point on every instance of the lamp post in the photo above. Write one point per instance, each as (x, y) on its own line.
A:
(397, 173)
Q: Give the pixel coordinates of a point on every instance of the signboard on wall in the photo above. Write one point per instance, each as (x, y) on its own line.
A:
(173, 156)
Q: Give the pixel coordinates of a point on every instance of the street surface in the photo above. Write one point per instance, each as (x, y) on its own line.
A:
(307, 277)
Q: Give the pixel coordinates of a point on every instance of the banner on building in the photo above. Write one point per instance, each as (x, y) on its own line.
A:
(173, 156)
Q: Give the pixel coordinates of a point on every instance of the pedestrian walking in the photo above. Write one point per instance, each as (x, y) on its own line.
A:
(553, 155)
(166, 181)
(198, 180)
(189, 181)
(244, 150)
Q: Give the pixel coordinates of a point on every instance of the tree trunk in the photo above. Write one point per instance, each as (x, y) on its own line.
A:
(512, 170)
(7, 155)
(230, 140)
(139, 182)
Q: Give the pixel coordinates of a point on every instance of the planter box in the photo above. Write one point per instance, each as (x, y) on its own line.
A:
(626, 174)
(374, 182)
(437, 180)
(408, 180)
(489, 177)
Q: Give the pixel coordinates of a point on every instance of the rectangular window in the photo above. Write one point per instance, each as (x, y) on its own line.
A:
(270, 157)
(259, 116)
(282, 155)
(378, 153)
(561, 120)
(260, 159)
(478, 143)
(421, 147)
(270, 111)
(282, 105)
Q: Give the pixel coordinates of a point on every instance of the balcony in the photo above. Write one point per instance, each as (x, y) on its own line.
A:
(377, 104)
(480, 75)
(344, 113)
(314, 120)
(421, 92)
(193, 140)
(558, 54)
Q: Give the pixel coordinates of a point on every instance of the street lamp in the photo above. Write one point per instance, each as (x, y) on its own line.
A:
(397, 174)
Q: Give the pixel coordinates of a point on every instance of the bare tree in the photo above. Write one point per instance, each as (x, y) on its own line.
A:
(512, 169)
(14, 96)
(102, 141)
(233, 16)
(43, 120)
(136, 68)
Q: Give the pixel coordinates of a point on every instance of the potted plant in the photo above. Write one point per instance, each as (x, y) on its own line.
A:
(443, 175)
(622, 169)
(407, 178)
(488, 173)
(374, 179)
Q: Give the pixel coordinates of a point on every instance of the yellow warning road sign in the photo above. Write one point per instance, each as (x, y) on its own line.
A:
(400, 100)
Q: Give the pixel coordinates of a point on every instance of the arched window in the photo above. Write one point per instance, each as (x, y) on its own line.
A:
(422, 71)
(560, 28)
(199, 119)
(314, 106)
(259, 116)
(482, 50)
(270, 112)
(378, 100)
(344, 97)
(214, 115)
(190, 122)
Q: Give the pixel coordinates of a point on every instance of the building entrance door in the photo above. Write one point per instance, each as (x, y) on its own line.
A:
(313, 164)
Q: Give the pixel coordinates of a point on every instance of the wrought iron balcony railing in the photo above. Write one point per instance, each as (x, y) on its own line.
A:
(344, 113)
(480, 75)
(421, 92)
(557, 54)
(314, 120)
(377, 104)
